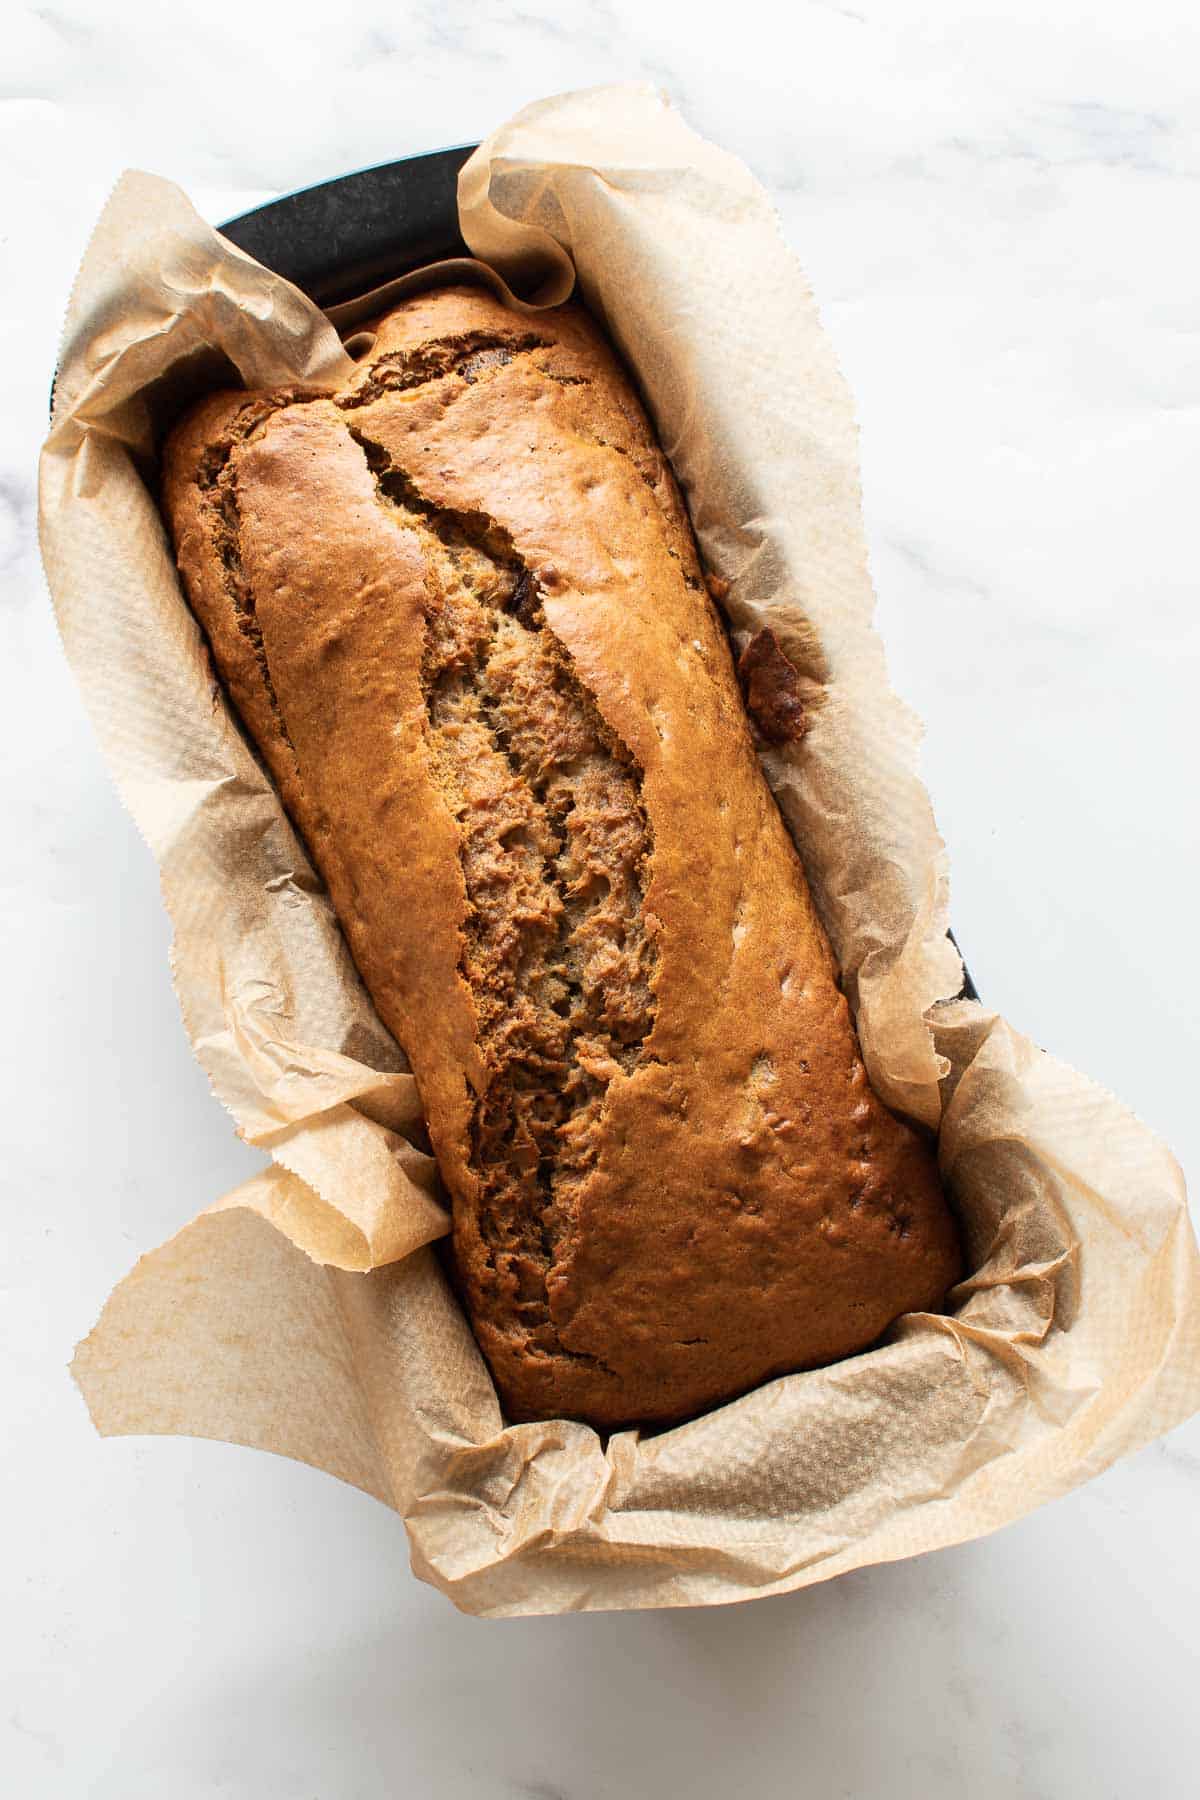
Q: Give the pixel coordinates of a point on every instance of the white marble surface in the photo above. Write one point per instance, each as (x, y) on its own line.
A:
(997, 207)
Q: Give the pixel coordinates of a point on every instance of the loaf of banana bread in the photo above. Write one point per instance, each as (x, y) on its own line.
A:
(458, 607)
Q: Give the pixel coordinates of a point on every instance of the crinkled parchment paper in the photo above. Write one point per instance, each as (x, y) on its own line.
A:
(305, 1313)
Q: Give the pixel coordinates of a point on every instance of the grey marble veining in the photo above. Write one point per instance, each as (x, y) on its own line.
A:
(997, 209)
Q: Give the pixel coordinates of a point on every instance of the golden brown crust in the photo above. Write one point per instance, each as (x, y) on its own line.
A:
(481, 661)
(200, 503)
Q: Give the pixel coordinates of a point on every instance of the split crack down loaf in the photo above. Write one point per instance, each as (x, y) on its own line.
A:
(458, 607)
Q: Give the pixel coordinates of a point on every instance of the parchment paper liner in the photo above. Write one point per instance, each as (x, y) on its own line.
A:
(1079, 1336)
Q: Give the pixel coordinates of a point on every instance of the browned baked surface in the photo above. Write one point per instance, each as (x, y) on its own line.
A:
(458, 606)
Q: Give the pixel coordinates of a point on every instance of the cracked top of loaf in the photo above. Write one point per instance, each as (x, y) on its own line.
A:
(458, 607)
